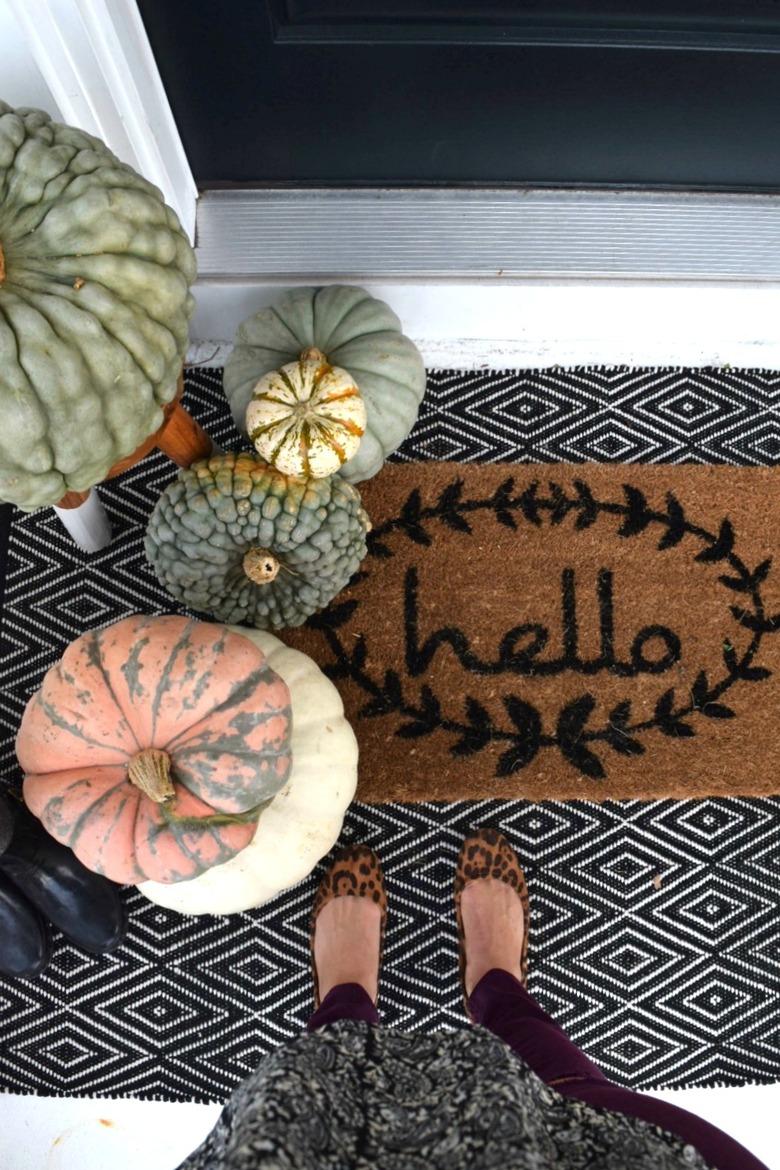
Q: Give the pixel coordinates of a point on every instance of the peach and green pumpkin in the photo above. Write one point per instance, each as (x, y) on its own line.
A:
(153, 746)
(303, 821)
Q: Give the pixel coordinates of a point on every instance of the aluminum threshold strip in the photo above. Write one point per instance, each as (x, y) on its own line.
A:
(429, 234)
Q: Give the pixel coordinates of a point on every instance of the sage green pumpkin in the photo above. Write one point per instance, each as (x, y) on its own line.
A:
(355, 332)
(95, 273)
(234, 537)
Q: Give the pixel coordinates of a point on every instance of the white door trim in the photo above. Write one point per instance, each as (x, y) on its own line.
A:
(96, 59)
(538, 323)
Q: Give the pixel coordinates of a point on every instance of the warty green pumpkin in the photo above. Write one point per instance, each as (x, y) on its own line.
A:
(234, 537)
(152, 747)
(355, 332)
(95, 275)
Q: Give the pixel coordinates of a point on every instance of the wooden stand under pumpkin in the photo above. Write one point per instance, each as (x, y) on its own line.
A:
(180, 437)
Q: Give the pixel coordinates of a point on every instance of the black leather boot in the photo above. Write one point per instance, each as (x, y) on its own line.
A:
(86, 907)
(25, 941)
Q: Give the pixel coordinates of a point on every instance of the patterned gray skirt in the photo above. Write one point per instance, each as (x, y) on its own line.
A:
(356, 1096)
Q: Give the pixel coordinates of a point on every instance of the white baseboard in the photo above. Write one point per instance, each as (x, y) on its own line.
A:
(537, 323)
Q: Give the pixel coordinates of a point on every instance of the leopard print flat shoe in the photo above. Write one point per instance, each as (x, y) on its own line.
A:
(488, 854)
(355, 872)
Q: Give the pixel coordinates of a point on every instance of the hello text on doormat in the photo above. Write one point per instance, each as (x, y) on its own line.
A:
(557, 631)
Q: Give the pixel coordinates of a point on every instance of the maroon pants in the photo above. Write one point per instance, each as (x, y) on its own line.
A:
(501, 1004)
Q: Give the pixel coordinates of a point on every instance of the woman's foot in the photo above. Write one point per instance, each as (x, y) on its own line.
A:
(491, 907)
(346, 944)
(493, 927)
(348, 923)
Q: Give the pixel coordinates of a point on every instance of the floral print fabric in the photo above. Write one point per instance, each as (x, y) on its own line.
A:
(353, 1096)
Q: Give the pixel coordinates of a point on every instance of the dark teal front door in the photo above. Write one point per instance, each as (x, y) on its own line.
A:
(349, 92)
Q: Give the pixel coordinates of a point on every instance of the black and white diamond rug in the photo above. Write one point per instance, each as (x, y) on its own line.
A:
(655, 929)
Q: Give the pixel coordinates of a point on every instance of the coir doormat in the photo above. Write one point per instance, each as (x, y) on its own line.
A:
(592, 631)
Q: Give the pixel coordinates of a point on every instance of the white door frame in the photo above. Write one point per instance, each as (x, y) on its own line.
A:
(530, 277)
(96, 59)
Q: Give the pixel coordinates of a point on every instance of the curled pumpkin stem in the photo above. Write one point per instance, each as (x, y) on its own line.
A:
(243, 818)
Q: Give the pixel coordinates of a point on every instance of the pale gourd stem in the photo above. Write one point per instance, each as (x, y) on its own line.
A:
(261, 566)
(312, 354)
(2, 264)
(150, 770)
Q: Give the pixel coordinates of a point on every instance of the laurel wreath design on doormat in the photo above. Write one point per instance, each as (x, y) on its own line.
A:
(524, 735)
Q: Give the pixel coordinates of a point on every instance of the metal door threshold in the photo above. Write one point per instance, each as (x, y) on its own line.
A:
(467, 235)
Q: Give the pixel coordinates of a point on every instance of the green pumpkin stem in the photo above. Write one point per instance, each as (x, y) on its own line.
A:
(150, 770)
(2, 264)
(243, 818)
(261, 566)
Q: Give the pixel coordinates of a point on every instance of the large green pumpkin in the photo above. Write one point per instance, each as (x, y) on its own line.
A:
(95, 272)
(234, 537)
(357, 333)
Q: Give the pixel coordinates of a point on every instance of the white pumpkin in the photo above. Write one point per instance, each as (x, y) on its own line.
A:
(306, 419)
(303, 821)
